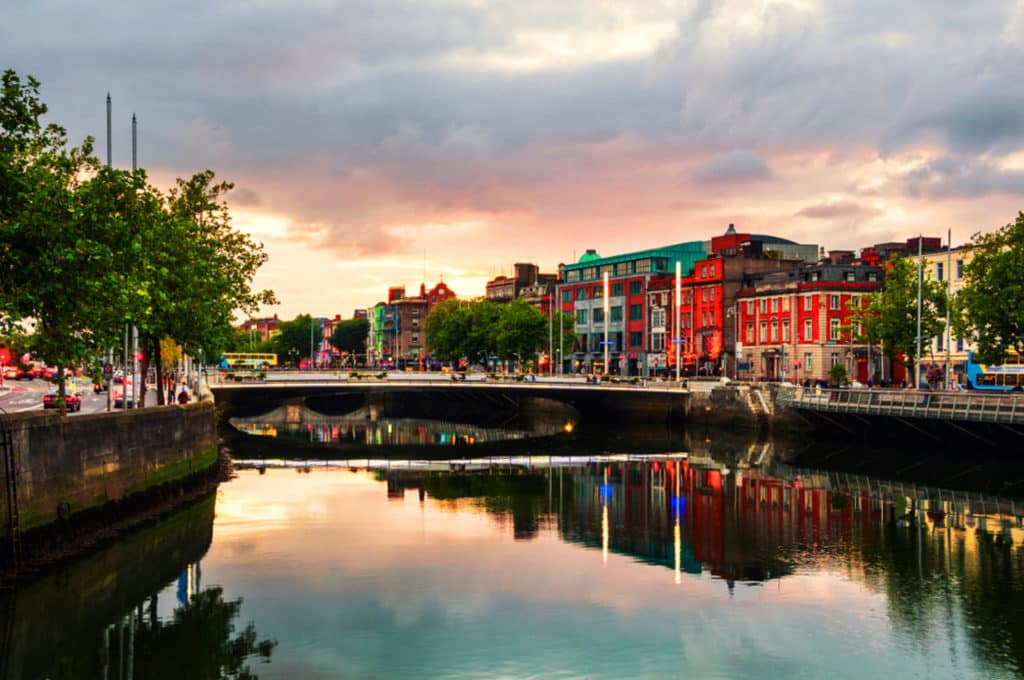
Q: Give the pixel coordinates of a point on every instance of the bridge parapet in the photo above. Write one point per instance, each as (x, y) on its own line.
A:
(969, 406)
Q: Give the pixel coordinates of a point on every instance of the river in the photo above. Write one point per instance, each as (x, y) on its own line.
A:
(674, 563)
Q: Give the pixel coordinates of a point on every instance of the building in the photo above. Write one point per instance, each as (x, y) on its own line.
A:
(791, 323)
(707, 315)
(261, 329)
(397, 339)
(527, 276)
(581, 294)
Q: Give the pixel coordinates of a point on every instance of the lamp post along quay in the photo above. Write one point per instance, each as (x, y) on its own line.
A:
(607, 318)
(678, 311)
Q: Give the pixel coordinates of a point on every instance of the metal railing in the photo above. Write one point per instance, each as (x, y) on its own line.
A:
(963, 406)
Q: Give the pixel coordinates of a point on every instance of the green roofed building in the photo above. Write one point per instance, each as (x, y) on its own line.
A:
(581, 294)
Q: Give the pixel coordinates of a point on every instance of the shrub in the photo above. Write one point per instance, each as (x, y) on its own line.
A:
(605, 377)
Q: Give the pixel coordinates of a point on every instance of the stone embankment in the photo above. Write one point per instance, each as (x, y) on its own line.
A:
(68, 478)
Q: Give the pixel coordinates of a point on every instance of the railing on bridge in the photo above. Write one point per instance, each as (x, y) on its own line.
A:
(962, 406)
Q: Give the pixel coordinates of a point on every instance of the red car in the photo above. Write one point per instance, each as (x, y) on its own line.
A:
(52, 400)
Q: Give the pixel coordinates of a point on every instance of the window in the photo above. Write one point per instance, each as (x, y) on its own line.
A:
(566, 296)
(642, 266)
(712, 271)
(703, 294)
(415, 337)
(833, 302)
(750, 306)
(598, 292)
(598, 315)
(711, 295)
(623, 268)
(581, 293)
(616, 313)
(939, 271)
(764, 331)
(657, 318)
(635, 338)
(850, 276)
(808, 362)
(657, 342)
(703, 272)
(572, 275)
(835, 358)
(581, 316)
(833, 329)
(854, 302)
(959, 270)
(938, 342)
(636, 287)
(785, 330)
(872, 277)
(959, 344)
(704, 319)
(636, 312)
(814, 276)
(618, 289)
(750, 333)
(808, 303)
(775, 304)
(606, 269)
(775, 330)
(589, 273)
(807, 330)
(764, 306)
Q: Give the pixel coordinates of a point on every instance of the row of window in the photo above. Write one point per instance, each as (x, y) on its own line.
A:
(781, 304)
(636, 313)
(657, 264)
(940, 270)
(592, 342)
(617, 290)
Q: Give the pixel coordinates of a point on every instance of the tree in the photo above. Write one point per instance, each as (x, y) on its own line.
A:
(521, 331)
(293, 339)
(446, 326)
(569, 337)
(891, 318)
(350, 336)
(991, 303)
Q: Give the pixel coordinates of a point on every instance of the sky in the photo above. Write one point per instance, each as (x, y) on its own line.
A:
(375, 143)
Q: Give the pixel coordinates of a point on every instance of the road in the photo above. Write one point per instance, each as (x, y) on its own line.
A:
(27, 395)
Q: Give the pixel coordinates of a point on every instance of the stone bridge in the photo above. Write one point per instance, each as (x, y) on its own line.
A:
(451, 400)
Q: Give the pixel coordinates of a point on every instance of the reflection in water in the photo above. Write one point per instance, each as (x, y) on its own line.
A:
(950, 566)
(590, 565)
(106, 616)
(361, 428)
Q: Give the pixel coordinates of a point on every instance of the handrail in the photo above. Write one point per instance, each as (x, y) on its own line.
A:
(996, 408)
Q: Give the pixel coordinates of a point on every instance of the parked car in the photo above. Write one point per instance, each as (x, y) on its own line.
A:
(119, 398)
(52, 400)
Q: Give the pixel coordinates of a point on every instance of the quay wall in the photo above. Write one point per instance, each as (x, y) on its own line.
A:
(69, 466)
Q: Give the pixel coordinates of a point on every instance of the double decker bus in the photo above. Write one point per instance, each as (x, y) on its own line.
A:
(1003, 377)
(247, 360)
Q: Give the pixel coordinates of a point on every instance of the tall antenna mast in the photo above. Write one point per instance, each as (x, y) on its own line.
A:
(110, 160)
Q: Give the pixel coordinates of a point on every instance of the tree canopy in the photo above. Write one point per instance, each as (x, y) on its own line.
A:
(350, 336)
(991, 303)
(890, 316)
(86, 248)
(477, 330)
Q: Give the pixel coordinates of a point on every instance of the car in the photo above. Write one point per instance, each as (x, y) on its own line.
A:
(52, 400)
(119, 399)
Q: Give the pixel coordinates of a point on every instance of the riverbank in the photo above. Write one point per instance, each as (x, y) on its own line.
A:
(78, 481)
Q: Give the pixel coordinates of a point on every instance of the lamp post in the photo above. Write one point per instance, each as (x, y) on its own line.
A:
(607, 318)
(677, 314)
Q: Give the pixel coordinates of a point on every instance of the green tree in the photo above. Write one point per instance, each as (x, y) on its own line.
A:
(890, 319)
(569, 336)
(292, 342)
(350, 336)
(991, 303)
(837, 375)
(445, 327)
(521, 331)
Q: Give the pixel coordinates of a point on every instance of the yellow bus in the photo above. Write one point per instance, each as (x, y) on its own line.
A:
(247, 360)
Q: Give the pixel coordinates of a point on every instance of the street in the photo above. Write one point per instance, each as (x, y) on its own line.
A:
(19, 396)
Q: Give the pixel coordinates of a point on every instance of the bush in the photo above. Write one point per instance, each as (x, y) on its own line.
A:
(605, 377)
(382, 375)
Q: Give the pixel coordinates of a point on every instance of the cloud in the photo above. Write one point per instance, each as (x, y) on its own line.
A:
(962, 177)
(841, 208)
(244, 196)
(734, 167)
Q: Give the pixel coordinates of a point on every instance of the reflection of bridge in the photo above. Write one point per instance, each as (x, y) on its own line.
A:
(942, 417)
(418, 398)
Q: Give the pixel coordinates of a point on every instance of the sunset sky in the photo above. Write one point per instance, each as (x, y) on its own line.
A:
(370, 141)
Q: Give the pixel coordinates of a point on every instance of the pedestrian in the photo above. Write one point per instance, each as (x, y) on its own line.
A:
(170, 391)
(183, 393)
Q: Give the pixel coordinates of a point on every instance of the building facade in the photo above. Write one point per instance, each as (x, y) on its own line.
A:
(791, 323)
(581, 293)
